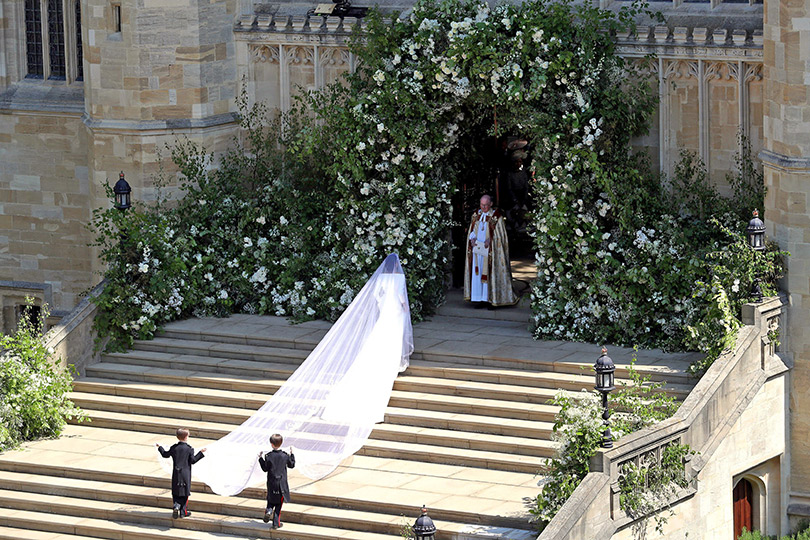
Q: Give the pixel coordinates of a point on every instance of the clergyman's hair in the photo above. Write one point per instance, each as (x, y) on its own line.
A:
(182, 433)
(276, 440)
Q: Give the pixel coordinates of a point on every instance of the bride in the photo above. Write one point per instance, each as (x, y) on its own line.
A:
(327, 409)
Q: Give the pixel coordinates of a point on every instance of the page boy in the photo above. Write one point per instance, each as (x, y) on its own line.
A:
(183, 458)
(275, 464)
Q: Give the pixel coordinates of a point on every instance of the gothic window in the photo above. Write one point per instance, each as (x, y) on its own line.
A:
(33, 37)
(79, 58)
(56, 39)
(53, 39)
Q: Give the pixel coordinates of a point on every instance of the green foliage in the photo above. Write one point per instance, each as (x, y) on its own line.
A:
(34, 386)
(647, 487)
(802, 534)
(668, 267)
(578, 430)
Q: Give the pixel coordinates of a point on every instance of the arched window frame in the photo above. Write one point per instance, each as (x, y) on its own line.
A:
(68, 34)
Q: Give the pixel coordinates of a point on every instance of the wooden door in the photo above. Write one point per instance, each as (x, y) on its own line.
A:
(743, 507)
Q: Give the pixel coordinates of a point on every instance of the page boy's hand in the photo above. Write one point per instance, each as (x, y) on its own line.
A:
(157, 445)
(204, 450)
(260, 454)
(291, 450)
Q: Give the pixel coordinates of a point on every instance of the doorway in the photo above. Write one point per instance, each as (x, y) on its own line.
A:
(743, 507)
(499, 167)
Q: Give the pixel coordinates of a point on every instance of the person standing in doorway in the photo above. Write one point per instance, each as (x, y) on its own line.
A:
(487, 272)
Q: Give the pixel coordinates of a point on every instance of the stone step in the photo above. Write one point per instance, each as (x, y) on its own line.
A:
(305, 514)
(103, 519)
(406, 400)
(439, 383)
(393, 415)
(11, 533)
(530, 356)
(394, 441)
(411, 481)
(504, 379)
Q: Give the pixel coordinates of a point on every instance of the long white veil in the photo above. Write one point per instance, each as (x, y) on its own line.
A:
(327, 409)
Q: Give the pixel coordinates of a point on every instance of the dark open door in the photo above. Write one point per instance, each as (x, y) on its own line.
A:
(743, 507)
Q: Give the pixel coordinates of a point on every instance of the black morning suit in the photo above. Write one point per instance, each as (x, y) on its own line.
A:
(183, 458)
(275, 464)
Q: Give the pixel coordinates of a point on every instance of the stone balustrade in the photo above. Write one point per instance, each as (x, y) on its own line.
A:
(703, 422)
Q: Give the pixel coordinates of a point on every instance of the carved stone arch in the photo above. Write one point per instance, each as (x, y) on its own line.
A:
(681, 69)
(753, 72)
(758, 497)
(299, 55)
(265, 53)
(333, 56)
(721, 70)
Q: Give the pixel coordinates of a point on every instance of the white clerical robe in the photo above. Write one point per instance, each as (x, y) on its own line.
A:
(478, 289)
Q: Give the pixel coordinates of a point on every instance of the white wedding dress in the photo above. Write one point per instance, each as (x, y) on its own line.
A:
(327, 409)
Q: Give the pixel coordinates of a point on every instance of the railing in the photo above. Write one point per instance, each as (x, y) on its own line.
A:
(702, 421)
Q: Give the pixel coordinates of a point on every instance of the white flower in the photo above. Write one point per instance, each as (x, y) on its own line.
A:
(736, 287)
(418, 75)
(260, 276)
(283, 220)
(379, 76)
(537, 36)
(579, 232)
(143, 268)
(260, 220)
(380, 127)
(396, 60)
(247, 242)
(361, 146)
(223, 294)
(310, 311)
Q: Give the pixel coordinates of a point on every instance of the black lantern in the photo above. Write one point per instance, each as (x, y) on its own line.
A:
(423, 528)
(604, 383)
(122, 191)
(756, 240)
(756, 233)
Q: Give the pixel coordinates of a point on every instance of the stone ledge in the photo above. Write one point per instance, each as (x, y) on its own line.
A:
(151, 125)
(785, 163)
(43, 96)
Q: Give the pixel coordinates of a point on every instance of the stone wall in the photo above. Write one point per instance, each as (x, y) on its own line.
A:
(45, 202)
(786, 157)
(172, 60)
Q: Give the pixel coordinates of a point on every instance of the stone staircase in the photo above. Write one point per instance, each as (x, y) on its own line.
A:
(467, 428)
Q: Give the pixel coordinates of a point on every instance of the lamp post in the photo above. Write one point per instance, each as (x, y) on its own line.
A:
(756, 241)
(604, 384)
(423, 528)
(122, 193)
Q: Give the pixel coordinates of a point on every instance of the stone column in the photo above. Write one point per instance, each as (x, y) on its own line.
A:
(786, 159)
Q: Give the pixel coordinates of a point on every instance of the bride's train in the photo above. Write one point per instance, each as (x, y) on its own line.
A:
(327, 409)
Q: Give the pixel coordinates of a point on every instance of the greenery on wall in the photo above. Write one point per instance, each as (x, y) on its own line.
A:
(34, 386)
(578, 429)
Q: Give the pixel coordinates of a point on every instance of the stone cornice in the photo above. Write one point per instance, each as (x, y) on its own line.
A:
(785, 163)
(662, 41)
